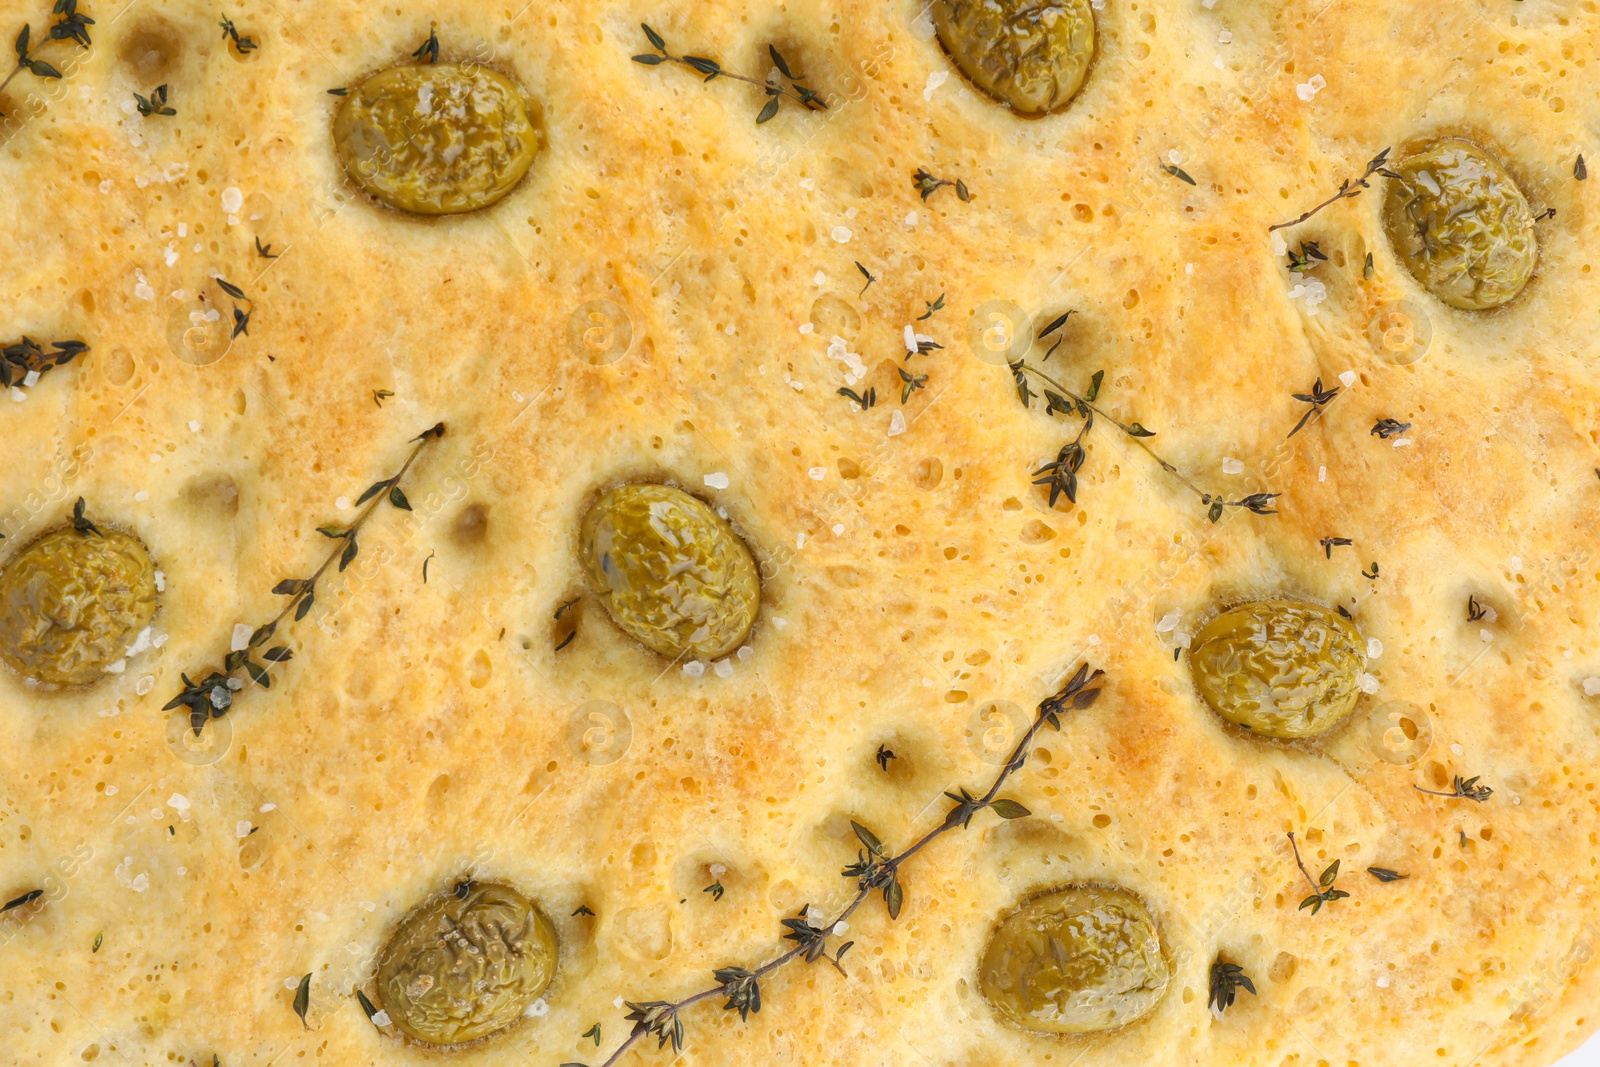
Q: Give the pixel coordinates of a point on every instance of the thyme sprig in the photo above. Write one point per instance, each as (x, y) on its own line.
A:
(1322, 888)
(241, 319)
(927, 185)
(69, 26)
(213, 695)
(1330, 543)
(28, 357)
(1387, 428)
(1350, 187)
(230, 32)
(155, 104)
(1226, 981)
(1464, 788)
(1310, 255)
(777, 85)
(875, 870)
(1319, 399)
(1063, 472)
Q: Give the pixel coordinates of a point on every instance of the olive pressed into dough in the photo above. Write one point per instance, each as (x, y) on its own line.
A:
(1030, 54)
(436, 139)
(1460, 225)
(466, 964)
(71, 603)
(1075, 961)
(670, 571)
(1280, 668)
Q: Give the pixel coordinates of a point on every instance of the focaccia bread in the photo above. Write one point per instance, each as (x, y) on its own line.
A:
(958, 350)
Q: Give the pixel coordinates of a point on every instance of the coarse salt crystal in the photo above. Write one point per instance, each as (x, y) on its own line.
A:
(243, 827)
(1516, 563)
(116, 668)
(1369, 683)
(1314, 292)
(1322, 474)
(935, 79)
(194, 426)
(241, 637)
(1457, 749)
(911, 339)
(819, 278)
(816, 474)
(841, 234)
(1232, 466)
(1402, 442)
(31, 379)
(808, 183)
(1374, 648)
(381, 1018)
(1347, 379)
(1174, 157)
(1225, 37)
(694, 668)
(897, 423)
(1591, 686)
(806, 327)
(911, 219)
(105, 186)
(267, 807)
(1168, 622)
(17, 395)
(745, 652)
(779, 623)
(343, 502)
(723, 668)
(160, 576)
(1383, 983)
(1306, 90)
(145, 684)
(1485, 636)
(291, 983)
(717, 480)
(1279, 247)
(838, 528)
(800, 539)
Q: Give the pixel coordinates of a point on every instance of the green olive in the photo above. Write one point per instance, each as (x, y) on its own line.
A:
(1075, 961)
(1282, 668)
(1030, 54)
(1460, 224)
(670, 570)
(436, 139)
(466, 964)
(71, 603)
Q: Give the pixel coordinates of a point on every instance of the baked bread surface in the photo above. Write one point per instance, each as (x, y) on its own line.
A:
(635, 310)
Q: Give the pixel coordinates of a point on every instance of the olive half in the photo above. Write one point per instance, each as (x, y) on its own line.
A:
(1460, 224)
(466, 964)
(670, 570)
(1282, 668)
(436, 139)
(1030, 54)
(1075, 961)
(71, 603)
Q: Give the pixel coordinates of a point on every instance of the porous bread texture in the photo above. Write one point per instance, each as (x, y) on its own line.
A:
(914, 582)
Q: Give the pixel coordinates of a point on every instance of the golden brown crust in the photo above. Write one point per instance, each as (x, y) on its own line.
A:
(423, 730)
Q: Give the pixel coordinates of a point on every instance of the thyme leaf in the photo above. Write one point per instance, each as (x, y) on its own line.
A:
(1226, 981)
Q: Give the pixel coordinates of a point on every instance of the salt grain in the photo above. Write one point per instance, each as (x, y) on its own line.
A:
(241, 637)
(1369, 683)
(723, 668)
(816, 474)
(1232, 466)
(897, 423)
(694, 668)
(1374, 648)
(841, 234)
(935, 79)
(1306, 90)
(1591, 686)
(717, 480)
(1168, 622)
(806, 327)
(1348, 378)
(838, 528)
(242, 828)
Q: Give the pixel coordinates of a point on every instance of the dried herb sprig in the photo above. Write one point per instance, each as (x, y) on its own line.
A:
(1350, 187)
(777, 85)
(23, 901)
(1464, 788)
(1387, 428)
(875, 871)
(1330, 543)
(1310, 255)
(1226, 981)
(155, 104)
(231, 33)
(927, 185)
(1063, 472)
(1319, 399)
(213, 695)
(70, 25)
(865, 399)
(1322, 888)
(241, 319)
(24, 362)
